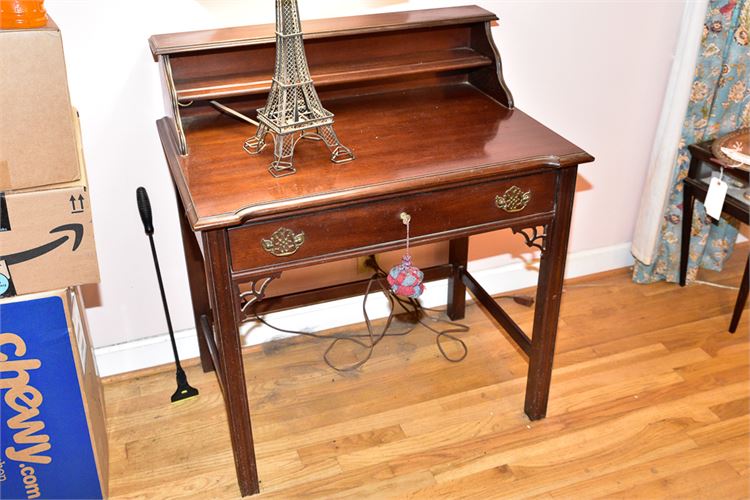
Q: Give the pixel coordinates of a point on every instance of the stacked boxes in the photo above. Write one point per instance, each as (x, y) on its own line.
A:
(52, 431)
(46, 236)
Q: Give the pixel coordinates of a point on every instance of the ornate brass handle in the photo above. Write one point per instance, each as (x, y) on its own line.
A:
(283, 242)
(513, 200)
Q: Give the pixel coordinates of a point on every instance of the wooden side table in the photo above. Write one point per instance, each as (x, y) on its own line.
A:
(695, 187)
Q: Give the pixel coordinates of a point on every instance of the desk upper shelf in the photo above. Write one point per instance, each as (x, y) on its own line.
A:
(263, 34)
(418, 96)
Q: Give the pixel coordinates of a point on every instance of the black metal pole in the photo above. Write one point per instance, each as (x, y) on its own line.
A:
(164, 303)
(184, 390)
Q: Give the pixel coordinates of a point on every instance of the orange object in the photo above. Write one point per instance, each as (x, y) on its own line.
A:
(15, 14)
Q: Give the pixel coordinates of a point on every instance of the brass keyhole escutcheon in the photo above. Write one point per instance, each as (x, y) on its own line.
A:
(514, 199)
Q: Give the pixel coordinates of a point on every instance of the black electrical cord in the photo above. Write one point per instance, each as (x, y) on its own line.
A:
(414, 311)
(411, 307)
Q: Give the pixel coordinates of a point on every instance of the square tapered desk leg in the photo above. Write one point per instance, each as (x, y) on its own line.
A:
(688, 200)
(458, 255)
(231, 368)
(739, 305)
(197, 281)
(548, 295)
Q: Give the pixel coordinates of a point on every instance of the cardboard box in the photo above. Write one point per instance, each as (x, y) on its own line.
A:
(52, 421)
(37, 131)
(46, 241)
(47, 237)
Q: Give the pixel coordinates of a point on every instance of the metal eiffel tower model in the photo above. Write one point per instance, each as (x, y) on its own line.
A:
(293, 110)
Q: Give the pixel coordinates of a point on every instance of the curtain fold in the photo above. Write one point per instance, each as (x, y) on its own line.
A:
(658, 183)
(719, 103)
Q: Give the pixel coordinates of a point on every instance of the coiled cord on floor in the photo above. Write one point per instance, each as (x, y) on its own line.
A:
(414, 311)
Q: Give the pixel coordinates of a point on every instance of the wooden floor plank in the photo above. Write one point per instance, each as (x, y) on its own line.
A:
(650, 399)
(701, 482)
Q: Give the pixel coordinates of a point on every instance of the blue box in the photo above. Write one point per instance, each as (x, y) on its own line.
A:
(52, 429)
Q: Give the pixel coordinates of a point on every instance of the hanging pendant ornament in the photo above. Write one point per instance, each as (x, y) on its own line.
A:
(405, 279)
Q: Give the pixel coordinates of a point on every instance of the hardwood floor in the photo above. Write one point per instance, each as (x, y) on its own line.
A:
(650, 399)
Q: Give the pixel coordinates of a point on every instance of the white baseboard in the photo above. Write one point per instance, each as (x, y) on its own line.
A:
(496, 274)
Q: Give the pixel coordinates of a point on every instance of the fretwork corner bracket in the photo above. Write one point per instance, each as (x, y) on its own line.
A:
(256, 292)
(532, 237)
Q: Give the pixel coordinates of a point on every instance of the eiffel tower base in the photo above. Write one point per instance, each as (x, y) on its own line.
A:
(284, 145)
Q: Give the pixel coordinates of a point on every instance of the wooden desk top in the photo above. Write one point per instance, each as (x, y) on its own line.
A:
(404, 140)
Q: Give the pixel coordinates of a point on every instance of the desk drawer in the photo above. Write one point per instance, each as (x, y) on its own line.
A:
(333, 231)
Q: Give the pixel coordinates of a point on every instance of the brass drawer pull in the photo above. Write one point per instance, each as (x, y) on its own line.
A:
(283, 242)
(513, 200)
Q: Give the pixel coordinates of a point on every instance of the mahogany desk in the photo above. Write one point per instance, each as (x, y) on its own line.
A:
(419, 97)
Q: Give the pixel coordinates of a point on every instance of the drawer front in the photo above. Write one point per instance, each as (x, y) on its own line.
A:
(303, 237)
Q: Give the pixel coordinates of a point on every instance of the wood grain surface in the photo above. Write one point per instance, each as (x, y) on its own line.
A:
(369, 67)
(366, 227)
(206, 40)
(649, 400)
(403, 141)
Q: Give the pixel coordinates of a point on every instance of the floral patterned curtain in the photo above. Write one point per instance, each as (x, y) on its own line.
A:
(719, 104)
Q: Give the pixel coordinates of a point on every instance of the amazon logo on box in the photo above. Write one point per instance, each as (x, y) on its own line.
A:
(46, 241)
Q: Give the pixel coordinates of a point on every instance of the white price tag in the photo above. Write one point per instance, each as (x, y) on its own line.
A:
(717, 191)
